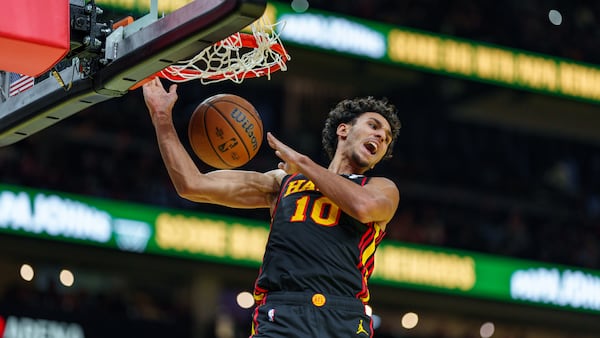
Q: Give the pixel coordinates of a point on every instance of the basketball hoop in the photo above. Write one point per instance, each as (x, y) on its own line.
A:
(237, 57)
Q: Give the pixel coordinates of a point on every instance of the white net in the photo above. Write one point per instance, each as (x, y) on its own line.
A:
(235, 58)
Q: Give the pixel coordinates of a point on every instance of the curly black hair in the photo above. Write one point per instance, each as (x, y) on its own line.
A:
(347, 111)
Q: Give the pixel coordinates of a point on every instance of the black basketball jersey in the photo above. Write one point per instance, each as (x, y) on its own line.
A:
(314, 246)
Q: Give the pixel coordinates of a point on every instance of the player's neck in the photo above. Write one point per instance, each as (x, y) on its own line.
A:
(340, 166)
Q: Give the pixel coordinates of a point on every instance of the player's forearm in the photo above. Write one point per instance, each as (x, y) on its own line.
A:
(180, 167)
(352, 198)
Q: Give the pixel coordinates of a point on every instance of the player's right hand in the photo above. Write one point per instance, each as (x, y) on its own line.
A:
(159, 102)
(289, 156)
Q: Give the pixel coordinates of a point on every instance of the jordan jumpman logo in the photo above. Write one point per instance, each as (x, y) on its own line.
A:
(361, 329)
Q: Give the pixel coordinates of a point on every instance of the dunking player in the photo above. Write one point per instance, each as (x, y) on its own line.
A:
(326, 222)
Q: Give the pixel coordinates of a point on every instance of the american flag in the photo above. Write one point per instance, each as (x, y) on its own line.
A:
(19, 83)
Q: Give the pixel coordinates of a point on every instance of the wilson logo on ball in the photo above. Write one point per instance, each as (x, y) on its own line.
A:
(248, 126)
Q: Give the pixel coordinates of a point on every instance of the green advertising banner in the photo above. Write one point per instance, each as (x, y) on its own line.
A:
(489, 277)
(436, 53)
(229, 240)
(131, 227)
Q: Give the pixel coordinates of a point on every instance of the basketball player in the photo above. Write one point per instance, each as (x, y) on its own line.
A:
(326, 222)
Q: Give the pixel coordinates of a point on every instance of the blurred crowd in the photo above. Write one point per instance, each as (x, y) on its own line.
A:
(497, 190)
(464, 186)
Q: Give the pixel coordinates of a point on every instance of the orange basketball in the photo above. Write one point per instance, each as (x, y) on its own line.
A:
(225, 131)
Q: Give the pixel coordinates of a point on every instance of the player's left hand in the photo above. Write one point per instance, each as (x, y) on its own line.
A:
(291, 158)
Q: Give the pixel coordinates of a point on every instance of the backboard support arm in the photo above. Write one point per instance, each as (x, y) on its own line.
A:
(139, 53)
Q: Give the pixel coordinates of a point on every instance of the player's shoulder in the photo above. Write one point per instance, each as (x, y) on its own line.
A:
(361, 177)
(382, 181)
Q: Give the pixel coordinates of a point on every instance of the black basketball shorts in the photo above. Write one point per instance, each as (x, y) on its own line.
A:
(305, 315)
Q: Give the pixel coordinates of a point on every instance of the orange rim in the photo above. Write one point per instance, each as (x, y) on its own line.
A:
(246, 40)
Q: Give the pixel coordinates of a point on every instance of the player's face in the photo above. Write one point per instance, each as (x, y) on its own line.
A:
(369, 138)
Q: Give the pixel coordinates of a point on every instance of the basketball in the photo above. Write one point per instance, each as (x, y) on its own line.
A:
(225, 131)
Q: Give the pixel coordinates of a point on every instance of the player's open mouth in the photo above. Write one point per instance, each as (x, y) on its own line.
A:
(371, 147)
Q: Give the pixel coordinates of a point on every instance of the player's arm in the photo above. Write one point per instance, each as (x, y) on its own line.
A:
(233, 188)
(376, 201)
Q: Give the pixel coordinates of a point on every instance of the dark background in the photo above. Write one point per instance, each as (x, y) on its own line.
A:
(473, 170)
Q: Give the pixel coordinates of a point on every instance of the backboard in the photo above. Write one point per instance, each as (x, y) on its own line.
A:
(105, 61)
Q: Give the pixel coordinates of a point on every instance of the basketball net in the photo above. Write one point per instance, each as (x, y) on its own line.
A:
(237, 57)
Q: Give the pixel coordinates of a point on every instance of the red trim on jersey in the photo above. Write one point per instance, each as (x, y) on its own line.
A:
(365, 269)
(369, 238)
(366, 239)
(255, 329)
